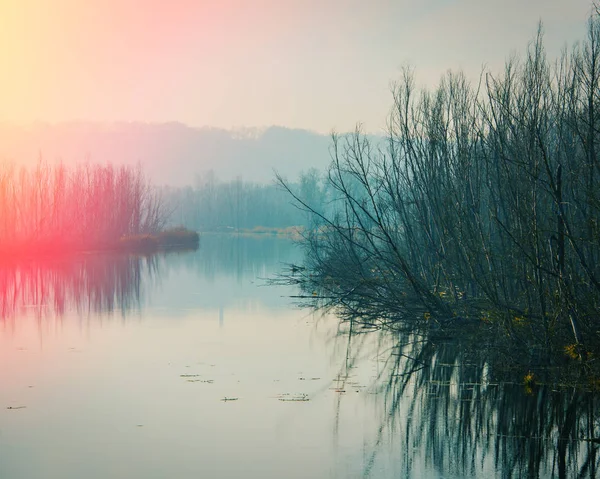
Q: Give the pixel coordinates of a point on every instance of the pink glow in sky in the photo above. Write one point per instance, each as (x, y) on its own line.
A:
(299, 63)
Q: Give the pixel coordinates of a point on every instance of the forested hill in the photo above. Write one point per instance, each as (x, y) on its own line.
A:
(170, 153)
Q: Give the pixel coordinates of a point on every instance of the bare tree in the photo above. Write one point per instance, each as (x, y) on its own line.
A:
(483, 203)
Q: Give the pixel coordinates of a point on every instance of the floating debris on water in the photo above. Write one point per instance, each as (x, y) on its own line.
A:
(298, 397)
(189, 375)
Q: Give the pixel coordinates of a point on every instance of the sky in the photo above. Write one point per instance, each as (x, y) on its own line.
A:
(320, 65)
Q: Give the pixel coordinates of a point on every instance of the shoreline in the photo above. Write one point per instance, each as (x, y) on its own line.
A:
(291, 232)
(175, 239)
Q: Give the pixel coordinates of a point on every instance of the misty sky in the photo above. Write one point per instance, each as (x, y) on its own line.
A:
(314, 64)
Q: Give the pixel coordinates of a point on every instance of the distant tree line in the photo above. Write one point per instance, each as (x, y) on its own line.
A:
(83, 205)
(213, 205)
(484, 203)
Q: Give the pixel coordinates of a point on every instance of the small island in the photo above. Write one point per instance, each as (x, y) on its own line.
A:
(53, 210)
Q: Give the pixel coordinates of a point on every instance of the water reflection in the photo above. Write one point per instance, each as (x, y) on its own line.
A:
(93, 284)
(448, 407)
(143, 397)
(238, 257)
(224, 274)
(380, 404)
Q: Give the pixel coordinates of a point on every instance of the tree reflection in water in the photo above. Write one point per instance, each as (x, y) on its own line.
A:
(99, 283)
(87, 283)
(458, 410)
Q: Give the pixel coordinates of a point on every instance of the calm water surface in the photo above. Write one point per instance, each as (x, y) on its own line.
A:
(186, 365)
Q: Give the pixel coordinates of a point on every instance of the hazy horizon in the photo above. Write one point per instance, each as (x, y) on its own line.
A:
(171, 153)
(233, 64)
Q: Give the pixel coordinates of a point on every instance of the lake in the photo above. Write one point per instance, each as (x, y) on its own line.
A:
(187, 365)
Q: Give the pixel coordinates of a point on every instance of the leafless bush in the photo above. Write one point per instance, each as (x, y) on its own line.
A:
(89, 204)
(483, 204)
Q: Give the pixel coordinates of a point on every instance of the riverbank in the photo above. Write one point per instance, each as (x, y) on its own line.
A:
(167, 240)
(292, 232)
(175, 238)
